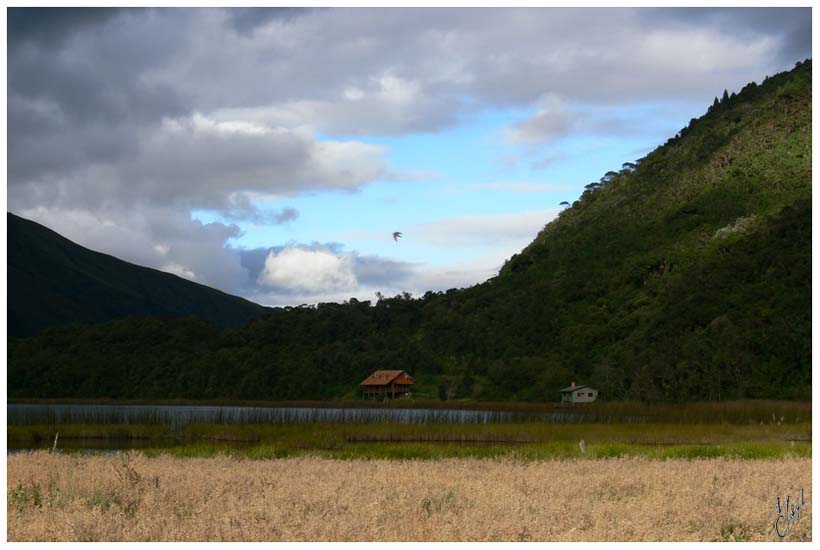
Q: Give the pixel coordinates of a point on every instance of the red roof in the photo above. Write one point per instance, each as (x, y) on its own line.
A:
(385, 377)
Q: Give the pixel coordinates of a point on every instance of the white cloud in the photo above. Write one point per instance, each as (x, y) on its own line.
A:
(522, 186)
(321, 273)
(706, 50)
(317, 271)
(459, 274)
(179, 270)
(416, 279)
(550, 122)
(385, 105)
(494, 230)
(204, 161)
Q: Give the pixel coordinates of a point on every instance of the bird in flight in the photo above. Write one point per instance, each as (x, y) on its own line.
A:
(396, 236)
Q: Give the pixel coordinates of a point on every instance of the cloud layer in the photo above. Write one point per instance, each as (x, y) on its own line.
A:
(121, 123)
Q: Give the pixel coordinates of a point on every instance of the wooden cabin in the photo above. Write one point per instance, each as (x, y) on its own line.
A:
(387, 383)
(578, 394)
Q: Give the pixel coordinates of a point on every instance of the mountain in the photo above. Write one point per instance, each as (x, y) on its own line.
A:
(685, 275)
(53, 281)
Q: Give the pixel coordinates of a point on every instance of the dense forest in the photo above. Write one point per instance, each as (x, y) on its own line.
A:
(685, 275)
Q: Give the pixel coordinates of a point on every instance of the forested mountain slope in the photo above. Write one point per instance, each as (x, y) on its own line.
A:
(686, 275)
(53, 281)
(683, 276)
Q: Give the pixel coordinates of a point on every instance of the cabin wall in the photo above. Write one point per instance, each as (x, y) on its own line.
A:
(585, 395)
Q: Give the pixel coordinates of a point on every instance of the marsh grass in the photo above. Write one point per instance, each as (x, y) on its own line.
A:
(103, 499)
(442, 502)
(328, 435)
(22, 497)
(525, 452)
(44, 433)
(436, 441)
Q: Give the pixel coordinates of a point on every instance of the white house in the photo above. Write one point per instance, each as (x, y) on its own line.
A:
(578, 394)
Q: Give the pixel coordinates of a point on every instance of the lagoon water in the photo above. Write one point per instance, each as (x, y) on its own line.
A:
(180, 415)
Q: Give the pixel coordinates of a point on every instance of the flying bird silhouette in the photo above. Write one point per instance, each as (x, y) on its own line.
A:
(396, 236)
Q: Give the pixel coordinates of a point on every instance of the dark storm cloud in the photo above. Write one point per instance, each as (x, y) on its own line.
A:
(405, 70)
(99, 73)
(85, 73)
(76, 92)
(52, 25)
(253, 261)
(88, 90)
(791, 25)
(366, 71)
(89, 121)
(246, 20)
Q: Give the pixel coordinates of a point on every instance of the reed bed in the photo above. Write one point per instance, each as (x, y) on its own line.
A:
(181, 412)
(322, 434)
(130, 497)
(182, 415)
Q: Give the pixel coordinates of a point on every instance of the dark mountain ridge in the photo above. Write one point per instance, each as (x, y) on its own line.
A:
(53, 281)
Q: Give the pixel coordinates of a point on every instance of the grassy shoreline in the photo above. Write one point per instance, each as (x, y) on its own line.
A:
(436, 441)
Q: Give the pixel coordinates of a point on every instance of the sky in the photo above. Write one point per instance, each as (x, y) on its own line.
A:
(272, 152)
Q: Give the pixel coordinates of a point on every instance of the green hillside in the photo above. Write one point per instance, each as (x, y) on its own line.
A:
(53, 281)
(683, 276)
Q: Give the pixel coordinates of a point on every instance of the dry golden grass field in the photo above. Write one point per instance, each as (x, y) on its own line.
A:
(131, 497)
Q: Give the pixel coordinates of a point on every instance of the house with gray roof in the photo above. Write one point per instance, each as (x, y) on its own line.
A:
(578, 394)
